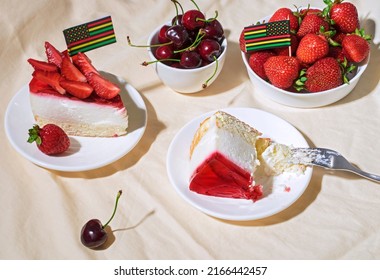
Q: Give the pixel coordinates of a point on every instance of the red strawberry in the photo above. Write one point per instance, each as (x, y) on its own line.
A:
(323, 75)
(36, 85)
(84, 64)
(78, 89)
(285, 50)
(311, 48)
(42, 65)
(312, 23)
(50, 139)
(345, 16)
(65, 53)
(102, 86)
(337, 53)
(242, 41)
(285, 14)
(282, 70)
(338, 37)
(304, 12)
(53, 55)
(50, 78)
(70, 72)
(256, 62)
(355, 47)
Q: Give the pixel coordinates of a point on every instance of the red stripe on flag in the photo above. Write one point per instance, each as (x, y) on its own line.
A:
(90, 38)
(98, 22)
(256, 27)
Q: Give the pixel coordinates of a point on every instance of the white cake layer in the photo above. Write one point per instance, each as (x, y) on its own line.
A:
(78, 115)
(231, 145)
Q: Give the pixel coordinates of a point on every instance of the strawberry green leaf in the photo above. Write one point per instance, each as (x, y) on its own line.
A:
(34, 135)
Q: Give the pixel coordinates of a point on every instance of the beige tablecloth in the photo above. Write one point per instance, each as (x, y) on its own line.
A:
(42, 210)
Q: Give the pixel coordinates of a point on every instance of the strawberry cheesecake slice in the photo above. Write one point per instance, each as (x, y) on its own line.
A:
(72, 94)
(223, 158)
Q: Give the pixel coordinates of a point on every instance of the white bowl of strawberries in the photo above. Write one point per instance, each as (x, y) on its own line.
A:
(188, 52)
(325, 63)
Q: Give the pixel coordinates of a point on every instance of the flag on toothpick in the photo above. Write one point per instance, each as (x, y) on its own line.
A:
(90, 35)
(267, 35)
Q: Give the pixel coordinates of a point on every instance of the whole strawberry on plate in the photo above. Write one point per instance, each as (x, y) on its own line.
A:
(50, 139)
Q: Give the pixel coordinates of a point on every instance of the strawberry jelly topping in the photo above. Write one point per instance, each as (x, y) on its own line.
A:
(218, 176)
(40, 88)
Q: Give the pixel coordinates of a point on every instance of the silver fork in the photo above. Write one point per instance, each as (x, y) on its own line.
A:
(328, 159)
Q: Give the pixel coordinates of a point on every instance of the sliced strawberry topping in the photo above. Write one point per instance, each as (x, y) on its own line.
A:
(103, 87)
(70, 72)
(50, 78)
(84, 64)
(53, 55)
(36, 85)
(42, 65)
(81, 90)
(65, 53)
(75, 76)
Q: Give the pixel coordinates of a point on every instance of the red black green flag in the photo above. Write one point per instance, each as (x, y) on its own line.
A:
(90, 35)
(267, 35)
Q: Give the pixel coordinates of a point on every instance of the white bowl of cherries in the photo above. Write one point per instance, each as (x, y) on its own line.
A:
(188, 52)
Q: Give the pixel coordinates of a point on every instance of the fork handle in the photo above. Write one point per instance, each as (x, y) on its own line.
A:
(367, 175)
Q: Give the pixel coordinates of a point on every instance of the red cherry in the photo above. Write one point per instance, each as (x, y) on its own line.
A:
(93, 234)
(164, 52)
(176, 65)
(193, 19)
(177, 20)
(209, 49)
(162, 34)
(190, 59)
(214, 30)
(178, 35)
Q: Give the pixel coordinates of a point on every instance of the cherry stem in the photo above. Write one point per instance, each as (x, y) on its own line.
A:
(146, 46)
(176, 11)
(213, 74)
(114, 210)
(195, 5)
(210, 19)
(196, 42)
(146, 63)
(176, 8)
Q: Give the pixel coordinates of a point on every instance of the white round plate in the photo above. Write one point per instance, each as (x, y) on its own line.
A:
(279, 191)
(84, 153)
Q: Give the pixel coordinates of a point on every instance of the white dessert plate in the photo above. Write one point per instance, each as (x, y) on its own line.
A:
(279, 191)
(84, 153)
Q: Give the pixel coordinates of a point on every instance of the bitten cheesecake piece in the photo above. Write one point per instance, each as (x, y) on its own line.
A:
(223, 158)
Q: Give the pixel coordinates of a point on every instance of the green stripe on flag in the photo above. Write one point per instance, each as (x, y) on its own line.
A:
(267, 46)
(95, 32)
